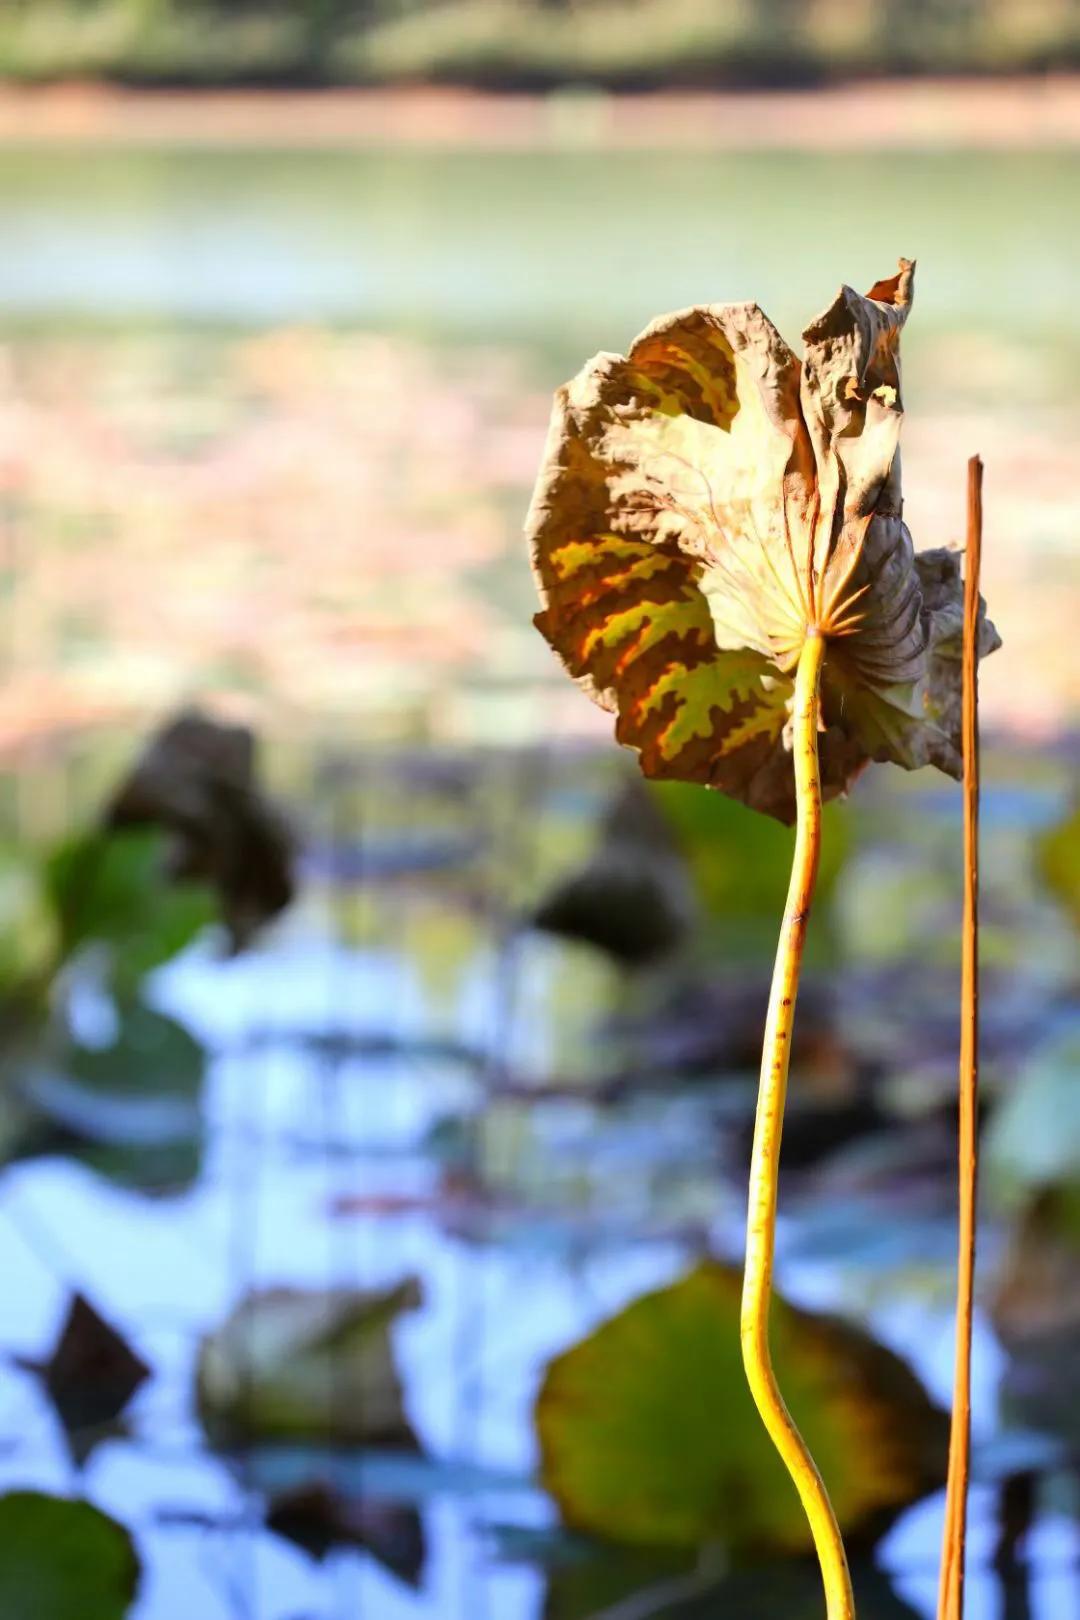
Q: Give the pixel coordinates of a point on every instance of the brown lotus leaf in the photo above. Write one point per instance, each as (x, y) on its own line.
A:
(707, 500)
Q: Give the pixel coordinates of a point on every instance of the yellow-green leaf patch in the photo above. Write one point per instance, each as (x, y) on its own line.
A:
(648, 1433)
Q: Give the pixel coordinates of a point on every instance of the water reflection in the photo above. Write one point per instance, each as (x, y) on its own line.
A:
(342, 1083)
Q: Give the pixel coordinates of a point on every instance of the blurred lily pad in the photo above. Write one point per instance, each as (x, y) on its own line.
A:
(632, 898)
(63, 1560)
(152, 1054)
(648, 1434)
(90, 1375)
(296, 1364)
(1034, 1303)
(1033, 1140)
(28, 930)
(113, 887)
(739, 861)
(603, 1580)
(1058, 859)
(131, 1107)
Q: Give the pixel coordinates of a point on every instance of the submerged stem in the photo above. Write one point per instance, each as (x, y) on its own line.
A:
(761, 1214)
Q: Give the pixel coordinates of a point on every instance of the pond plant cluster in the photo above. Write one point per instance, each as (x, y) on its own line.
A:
(719, 541)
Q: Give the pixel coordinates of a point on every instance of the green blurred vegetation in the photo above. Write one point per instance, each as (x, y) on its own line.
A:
(97, 914)
(63, 1560)
(740, 864)
(529, 43)
(102, 891)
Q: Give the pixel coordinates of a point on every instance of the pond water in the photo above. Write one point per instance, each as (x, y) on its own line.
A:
(354, 1053)
(567, 251)
(354, 1058)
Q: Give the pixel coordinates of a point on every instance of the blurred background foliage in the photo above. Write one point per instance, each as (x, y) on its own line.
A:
(535, 44)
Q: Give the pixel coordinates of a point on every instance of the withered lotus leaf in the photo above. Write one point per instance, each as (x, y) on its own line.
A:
(707, 500)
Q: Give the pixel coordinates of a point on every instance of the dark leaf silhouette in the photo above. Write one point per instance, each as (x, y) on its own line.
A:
(197, 779)
(632, 899)
(319, 1517)
(1058, 856)
(92, 1372)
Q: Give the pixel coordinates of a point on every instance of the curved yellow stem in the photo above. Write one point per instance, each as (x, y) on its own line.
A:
(761, 1214)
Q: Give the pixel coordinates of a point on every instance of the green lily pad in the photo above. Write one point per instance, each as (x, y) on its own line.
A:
(152, 1055)
(63, 1560)
(739, 861)
(321, 1517)
(648, 1434)
(113, 887)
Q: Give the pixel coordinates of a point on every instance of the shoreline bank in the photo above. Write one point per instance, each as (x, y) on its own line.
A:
(887, 115)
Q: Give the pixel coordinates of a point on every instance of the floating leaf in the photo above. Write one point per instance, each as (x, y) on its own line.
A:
(1034, 1299)
(92, 1372)
(298, 1364)
(197, 779)
(132, 1107)
(63, 1560)
(113, 888)
(648, 1433)
(739, 861)
(152, 1055)
(603, 1580)
(632, 898)
(706, 501)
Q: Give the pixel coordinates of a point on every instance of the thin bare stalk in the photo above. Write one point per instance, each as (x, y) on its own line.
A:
(951, 1590)
(768, 1125)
